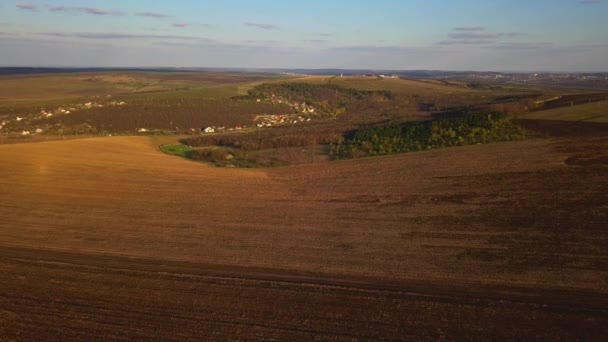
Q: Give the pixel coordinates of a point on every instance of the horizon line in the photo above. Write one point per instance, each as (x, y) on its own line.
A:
(301, 68)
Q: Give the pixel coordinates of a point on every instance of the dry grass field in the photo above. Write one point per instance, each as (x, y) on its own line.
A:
(398, 86)
(592, 112)
(402, 86)
(108, 238)
(53, 86)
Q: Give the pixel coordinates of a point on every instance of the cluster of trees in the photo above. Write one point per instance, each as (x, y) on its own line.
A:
(314, 91)
(269, 148)
(325, 97)
(212, 155)
(422, 135)
(276, 147)
(270, 139)
(227, 157)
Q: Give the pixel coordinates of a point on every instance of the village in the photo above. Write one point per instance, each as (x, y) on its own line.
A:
(46, 114)
(81, 106)
(303, 113)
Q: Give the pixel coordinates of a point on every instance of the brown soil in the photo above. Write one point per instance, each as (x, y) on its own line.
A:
(558, 128)
(109, 239)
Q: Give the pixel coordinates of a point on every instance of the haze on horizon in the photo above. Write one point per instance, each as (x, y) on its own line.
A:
(499, 35)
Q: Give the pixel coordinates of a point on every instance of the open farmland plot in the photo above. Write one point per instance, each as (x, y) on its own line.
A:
(109, 238)
(44, 87)
(571, 100)
(41, 87)
(591, 112)
(64, 86)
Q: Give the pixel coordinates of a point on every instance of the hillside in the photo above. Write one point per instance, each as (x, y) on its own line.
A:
(485, 237)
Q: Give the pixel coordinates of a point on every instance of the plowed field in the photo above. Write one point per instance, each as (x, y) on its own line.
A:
(110, 239)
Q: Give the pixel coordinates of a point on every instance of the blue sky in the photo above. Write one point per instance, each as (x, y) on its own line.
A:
(501, 35)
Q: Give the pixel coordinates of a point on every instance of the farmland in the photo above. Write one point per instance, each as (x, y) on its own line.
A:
(165, 102)
(373, 248)
(182, 103)
(591, 112)
(52, 86)
(453, 211)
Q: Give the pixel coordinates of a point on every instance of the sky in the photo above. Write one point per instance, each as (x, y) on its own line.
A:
(481, 35)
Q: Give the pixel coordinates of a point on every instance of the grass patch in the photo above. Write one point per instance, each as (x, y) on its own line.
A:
(592, 112)
(180, 150)
(218, 156)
